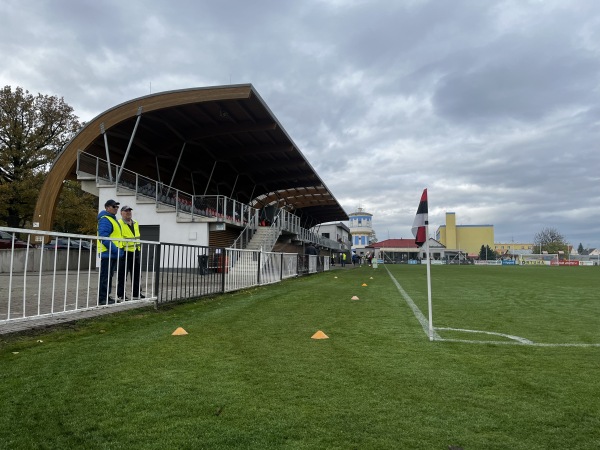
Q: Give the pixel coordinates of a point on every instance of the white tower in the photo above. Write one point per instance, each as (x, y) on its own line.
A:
(361, 228)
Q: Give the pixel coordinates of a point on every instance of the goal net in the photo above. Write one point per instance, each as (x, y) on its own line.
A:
(545, 259)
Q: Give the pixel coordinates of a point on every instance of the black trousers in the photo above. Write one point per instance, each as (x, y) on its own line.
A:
(129, 264)
(107, 269)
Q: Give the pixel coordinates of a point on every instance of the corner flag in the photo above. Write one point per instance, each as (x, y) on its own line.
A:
(419, 229)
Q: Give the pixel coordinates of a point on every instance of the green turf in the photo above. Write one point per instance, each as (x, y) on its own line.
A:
(543, 304)
(248, 375)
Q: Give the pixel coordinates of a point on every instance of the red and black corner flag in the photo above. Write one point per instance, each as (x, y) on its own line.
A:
(421, 220)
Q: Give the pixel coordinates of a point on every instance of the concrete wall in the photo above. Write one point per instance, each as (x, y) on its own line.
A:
(192, 233)
(471, 238)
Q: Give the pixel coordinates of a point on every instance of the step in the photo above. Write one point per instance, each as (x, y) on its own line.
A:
(162, 208)
(142, 199)
(123, 191)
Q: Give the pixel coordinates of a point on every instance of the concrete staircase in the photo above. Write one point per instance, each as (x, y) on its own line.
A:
(265, 238)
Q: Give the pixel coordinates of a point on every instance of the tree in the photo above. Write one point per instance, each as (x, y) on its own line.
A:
(76, 211)
(581, 250)
(549, 240)
(33, 130)
(486, 253)
(373, 238)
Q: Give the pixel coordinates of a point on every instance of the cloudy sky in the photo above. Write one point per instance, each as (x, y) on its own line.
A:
(494, 106)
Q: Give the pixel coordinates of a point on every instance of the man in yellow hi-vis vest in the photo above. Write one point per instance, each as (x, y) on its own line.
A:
(130, 263)
(110, 251)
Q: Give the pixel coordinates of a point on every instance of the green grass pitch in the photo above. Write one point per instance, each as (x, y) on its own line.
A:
(248, 374)
(543, 305)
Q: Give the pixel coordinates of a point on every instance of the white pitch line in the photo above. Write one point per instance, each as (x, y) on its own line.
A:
(515, 340)
(417, 312)
(509, 336)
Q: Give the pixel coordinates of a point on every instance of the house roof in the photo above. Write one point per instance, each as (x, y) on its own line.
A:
(405, 243)
(395, 243)
(341, 225)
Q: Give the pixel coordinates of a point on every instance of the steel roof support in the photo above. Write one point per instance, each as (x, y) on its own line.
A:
(234, 184)
(135, 127)
(103, 131)
(193, 182)
(210, 177)
(176, 167)
(157, 170)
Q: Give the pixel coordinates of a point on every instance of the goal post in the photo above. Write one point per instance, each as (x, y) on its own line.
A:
(545, 259)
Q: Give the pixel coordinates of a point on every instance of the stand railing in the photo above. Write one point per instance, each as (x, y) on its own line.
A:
(194, 207)
(247, 233)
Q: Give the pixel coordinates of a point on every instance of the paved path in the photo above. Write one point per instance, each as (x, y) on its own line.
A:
(23, 325)
(74, 314)
(70, 299)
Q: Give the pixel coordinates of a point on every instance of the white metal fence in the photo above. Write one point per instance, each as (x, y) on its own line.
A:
(62, 277)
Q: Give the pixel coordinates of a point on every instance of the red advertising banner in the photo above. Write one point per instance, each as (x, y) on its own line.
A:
(565, 263)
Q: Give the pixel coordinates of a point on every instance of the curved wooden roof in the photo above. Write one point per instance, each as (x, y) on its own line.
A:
(234, 146)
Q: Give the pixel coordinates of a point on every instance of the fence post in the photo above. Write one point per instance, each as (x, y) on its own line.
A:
(258, 267)
(224, 256)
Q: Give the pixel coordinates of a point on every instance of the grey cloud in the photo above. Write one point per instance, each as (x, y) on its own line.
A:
(490, 105)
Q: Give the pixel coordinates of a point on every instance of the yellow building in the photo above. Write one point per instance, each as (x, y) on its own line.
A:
(466, 238)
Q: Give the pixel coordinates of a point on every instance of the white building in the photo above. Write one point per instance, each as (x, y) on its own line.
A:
(361, 229)
(336, 231)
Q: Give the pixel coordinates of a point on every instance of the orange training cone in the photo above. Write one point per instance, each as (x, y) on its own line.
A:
(364, 284)
(179, 332)
(319, 335)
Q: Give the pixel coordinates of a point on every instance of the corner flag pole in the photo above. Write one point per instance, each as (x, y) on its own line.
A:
(420, 231)
(428, 281)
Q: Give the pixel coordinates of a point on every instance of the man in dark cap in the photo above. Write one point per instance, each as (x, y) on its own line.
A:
(110, 251)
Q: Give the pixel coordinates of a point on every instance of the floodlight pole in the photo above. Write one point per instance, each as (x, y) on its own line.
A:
(428, 280)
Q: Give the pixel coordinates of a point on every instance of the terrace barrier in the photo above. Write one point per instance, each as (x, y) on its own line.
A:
(38, 280)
